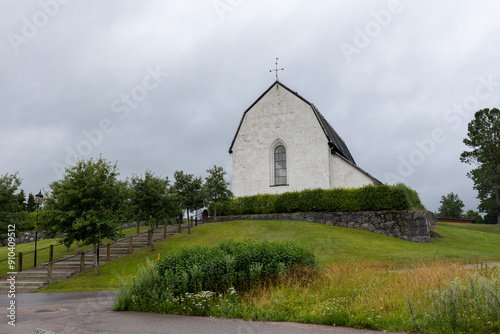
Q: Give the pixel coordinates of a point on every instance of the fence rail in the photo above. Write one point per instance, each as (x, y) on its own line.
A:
(20, 256)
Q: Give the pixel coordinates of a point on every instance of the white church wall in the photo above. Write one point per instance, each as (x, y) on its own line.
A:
(345, 175)
(280, 117)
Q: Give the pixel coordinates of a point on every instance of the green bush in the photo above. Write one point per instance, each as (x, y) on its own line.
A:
(229, 264)
(195, 272)
(368, 198)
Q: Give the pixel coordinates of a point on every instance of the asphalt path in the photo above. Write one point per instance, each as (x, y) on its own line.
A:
(90, 312)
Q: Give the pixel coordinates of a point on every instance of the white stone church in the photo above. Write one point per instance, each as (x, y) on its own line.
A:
(283, 143)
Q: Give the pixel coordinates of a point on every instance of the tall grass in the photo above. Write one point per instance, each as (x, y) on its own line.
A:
(436, 297)
(431, 297)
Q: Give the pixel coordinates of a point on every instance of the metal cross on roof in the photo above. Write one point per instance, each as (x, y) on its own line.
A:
(277, 69)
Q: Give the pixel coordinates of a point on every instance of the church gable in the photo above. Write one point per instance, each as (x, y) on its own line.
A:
(283, 143)
(334, 141)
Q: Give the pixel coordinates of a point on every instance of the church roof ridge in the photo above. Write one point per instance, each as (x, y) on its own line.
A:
(334, 140)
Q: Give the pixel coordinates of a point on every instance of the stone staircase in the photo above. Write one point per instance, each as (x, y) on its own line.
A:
(37, 277)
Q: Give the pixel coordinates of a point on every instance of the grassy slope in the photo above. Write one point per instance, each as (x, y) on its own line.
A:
(475, 227)
(328, 243)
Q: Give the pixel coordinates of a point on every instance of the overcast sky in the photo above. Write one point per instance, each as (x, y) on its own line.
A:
(162, 85)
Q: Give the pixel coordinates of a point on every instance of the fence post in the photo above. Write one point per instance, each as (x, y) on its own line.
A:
(82, 261)
(77, 247)
(108, 252)
(149, 237)
(49, 270)
(137, 227)
(165, 231)
(130, 244)
(20, 261)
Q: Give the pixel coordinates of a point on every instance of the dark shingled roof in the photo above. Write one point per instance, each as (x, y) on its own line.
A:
(336, 143)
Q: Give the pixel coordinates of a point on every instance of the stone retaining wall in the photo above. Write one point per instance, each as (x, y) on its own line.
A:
(408, 225)
(25, 237)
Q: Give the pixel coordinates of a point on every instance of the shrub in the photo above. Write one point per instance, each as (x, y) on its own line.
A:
(199, 271)
(229, 264)
(287, 202)
(368, 198)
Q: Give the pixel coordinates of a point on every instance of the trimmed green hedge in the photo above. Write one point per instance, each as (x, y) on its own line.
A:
(368, 198)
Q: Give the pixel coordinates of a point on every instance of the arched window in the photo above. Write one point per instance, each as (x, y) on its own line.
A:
(279, 165)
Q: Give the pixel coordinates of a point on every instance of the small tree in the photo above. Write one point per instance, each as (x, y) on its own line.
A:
(451, 206)
(31, 206)
(216, 188)
(150, 196)
(483, 137)
(10, 205)
(187, 189)
(21, 197)
(474, 216)
(84, 204)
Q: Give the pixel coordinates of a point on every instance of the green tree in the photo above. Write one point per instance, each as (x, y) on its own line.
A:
(216, 188)
(31, 206)
(187, 189)
(483, 137)
(9, 202)
(474, 215)
(124, 195)
(489, 207)
(151, 198)
(451, 206)
(21, 197)
(84, 204)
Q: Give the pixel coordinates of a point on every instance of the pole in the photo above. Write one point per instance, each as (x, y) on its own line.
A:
(36, 238)
(82, 261)
(36, 233)
(49, 270)
(20, 261)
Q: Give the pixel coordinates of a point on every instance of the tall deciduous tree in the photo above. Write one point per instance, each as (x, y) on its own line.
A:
(451, 206)
(151, 198)
(483, 137)
(187, 189)
(9, 201)
(216, 188)
(84, 204)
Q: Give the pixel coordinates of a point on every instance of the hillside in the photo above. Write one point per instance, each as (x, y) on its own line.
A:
(328, 243)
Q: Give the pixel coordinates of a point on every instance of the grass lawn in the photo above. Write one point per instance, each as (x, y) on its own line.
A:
(329, 244)
(43, 251)
(489, 228)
